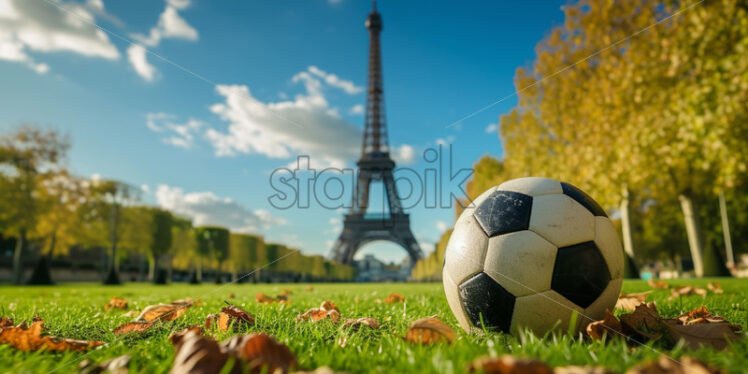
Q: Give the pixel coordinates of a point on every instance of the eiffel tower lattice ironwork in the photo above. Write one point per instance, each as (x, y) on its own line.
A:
(375, 165)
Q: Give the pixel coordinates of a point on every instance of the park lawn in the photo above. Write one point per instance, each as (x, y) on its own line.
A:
(76, 311)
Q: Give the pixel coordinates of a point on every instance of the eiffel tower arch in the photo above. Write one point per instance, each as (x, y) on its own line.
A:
(375, 165)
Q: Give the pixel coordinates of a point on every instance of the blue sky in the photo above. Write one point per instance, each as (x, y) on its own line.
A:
(250, 85)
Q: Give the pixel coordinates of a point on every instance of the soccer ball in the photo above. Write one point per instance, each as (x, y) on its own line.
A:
(528, 254)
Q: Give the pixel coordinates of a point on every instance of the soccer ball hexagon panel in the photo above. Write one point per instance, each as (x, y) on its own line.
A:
(532, 253)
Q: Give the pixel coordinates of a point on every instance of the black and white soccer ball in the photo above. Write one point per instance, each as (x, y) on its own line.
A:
(528, 254)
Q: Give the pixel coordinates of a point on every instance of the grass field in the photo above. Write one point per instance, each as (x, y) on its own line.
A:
(75, 311)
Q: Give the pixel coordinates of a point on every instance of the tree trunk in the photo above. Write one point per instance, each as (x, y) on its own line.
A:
(152, 261)
(695, 232)
(726, 231)
(17, 265)
(113, 276)
(199, 271)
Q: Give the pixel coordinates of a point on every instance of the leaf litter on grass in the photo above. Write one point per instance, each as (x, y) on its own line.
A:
(29, 338)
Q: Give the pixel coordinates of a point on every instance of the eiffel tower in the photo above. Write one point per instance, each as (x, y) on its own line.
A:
(375, 165)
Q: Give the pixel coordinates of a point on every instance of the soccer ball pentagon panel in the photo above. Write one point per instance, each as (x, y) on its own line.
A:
(532, 253)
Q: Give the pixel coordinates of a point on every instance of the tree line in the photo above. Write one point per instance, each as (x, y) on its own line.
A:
(641, 103)
(45, 211)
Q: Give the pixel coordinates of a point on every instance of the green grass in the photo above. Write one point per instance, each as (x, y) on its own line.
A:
(75, 311)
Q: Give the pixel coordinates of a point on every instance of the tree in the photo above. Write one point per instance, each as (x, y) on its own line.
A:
(161, 242)
(212, 242)
(108, 220)
(27, 155)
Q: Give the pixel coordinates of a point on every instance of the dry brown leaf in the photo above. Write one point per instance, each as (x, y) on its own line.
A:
(582, 370)
(645, 321)
(429, 330)
(261, 351)
(29, 339)
(162, 312)
(715, 287)
(196, 353)
(230, 315)
(628, 302)
(310, 288)
(394, 298)
(117, 365)
(668, 365)
(187, 301)
(657, 284)
(177, 338)
(231, 295)
(716, 335)
(609, 326)
(685, 291)
(355, 323)
(317, 314)
(328, 306)
(133, 327)
(508, 364)
(6, 322)
(262, 298)
(116, 303)
(285, 292)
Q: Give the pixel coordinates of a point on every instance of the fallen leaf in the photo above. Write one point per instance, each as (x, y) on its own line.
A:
(628, 302)
(196, 353)
(318, 314)
(716, 335)
(310, 288)
(231, 295)
(657, 284)
(117, 365)
(429, 330)
(162, 312)
(187, 301)
(328, 305)
(394, 298)
(133, 327)
(116, 303)
(645, 321)
(285, 292)
(609, 326)
(715, 287)
(581, 370)
(177, 338)
(262, 298)
(685, 291)
(681, 365)
(5, 322)
(230, 315)
(261, 351)
(132, 313)
(29, 339)
(355, 323)
(507, 364)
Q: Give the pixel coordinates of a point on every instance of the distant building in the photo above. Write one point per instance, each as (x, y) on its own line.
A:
(371, 269)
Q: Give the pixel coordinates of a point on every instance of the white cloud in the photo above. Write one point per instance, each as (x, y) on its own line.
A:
(37, 26)
(335, 81)
(444, 141)
(356, 109)
(205, 208)
(442, 226)
(492, 127)
(170, 26)
(404, 154)
(305, 125)
(136, 54)
(178, 135)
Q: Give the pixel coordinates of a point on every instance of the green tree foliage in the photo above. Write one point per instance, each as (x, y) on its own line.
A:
(161, 239)
(27, 157)
(213, 243)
